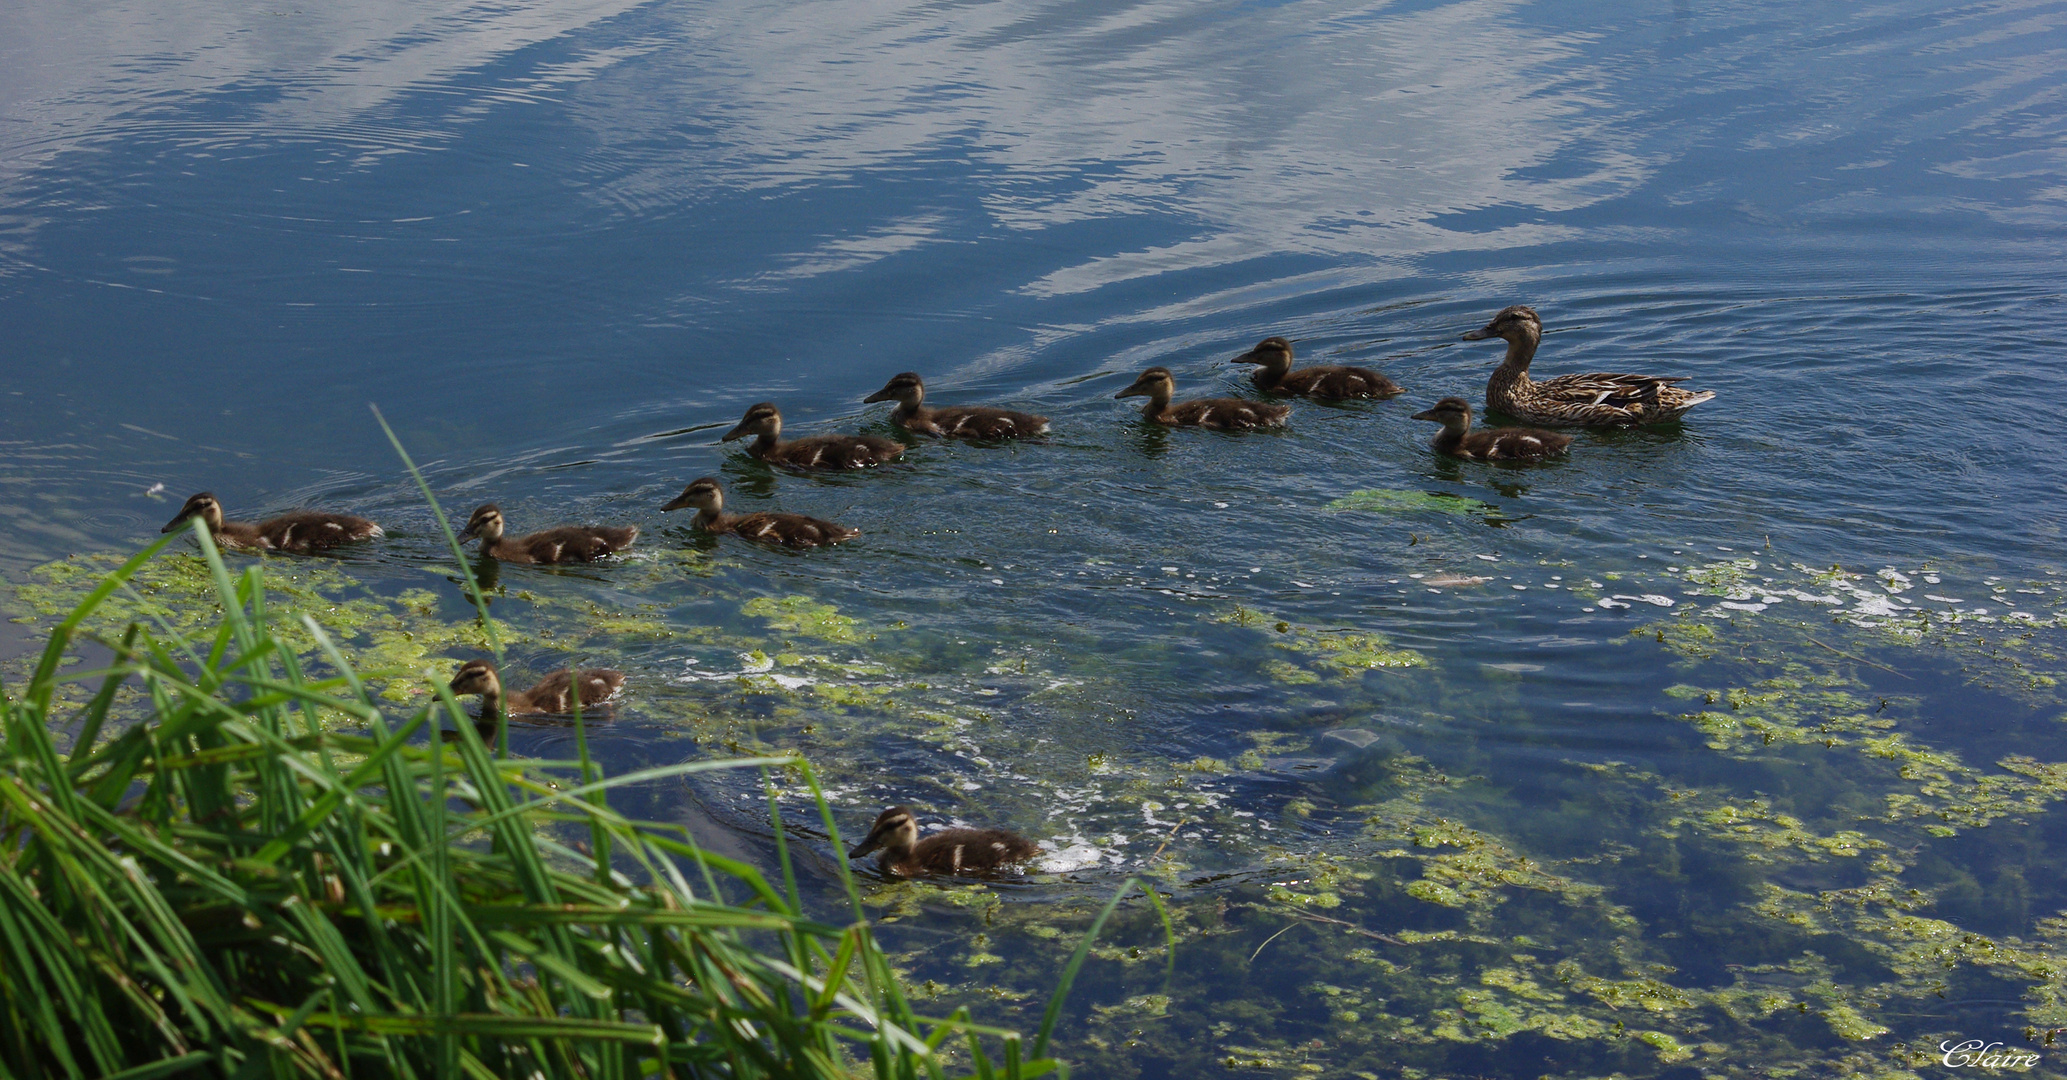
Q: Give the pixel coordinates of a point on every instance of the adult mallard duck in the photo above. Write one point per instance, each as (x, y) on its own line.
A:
(1597, 399)
(790, 530)
(300, 532)
(1226, 414)
(949, 851)
(554, 694)
(1329, 382)
(817, 452)
(1499, 444)
(566, 544)
(955, 421)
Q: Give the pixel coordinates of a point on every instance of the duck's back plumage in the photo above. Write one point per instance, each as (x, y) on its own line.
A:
(1226, 414)
(830, 452)
(553, 693)
(1510, 444)
(1595, 398)
(789, 530)
(303, 531)
(974, 422)
(962, 851)
(1332, 382)
(568, 543)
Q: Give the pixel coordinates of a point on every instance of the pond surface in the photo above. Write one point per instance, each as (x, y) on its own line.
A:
(1731, 747)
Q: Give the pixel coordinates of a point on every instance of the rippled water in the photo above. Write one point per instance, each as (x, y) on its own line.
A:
(562, 246)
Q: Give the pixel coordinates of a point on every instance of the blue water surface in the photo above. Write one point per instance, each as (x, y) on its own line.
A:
(561, 245)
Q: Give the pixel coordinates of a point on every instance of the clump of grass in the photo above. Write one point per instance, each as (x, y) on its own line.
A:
(229, 886)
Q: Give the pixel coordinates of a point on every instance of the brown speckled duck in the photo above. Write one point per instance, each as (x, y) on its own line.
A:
(566, 544)
(301, 532)
(1599, 399)
(553, 695)
(955, 421)
(949, 851)
(817, 452)
(790, 530)
(1497, 444)
(1328, 382)
(1226, 414)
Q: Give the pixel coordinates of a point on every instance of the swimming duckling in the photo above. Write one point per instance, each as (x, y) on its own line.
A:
(301, 532)
(1329, 382)
(1596, 399)
(551, 696)
(566, 544)
(955, 421)
(949, 851)
(792, 530)
(1496, 444)
(1226, 414)
(816, 452)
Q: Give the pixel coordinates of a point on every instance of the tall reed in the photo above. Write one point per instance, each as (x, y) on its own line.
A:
(268, 875)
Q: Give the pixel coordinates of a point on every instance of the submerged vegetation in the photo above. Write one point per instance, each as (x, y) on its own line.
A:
(1781, 862)
(246, 866)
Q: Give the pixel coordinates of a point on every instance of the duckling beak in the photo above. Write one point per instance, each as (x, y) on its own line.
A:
(175, 523)
(469, 533)
(740, 432)
(1139, 389)
(881, 395)
(873, 842)
(677, 503)
(1425, 414)
(1249, 357)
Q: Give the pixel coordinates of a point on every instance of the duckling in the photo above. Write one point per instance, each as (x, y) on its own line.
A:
(950, 851)
(301, 532)
(791, 530)
(955, 421)
(1499, 444)
(1329, 382)
(1597, 399)
(566, 544)
(816, 452)
(553, 694)
(1227, 414)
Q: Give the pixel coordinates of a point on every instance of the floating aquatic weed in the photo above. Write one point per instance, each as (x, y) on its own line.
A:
(1391, 501)
(807, 617)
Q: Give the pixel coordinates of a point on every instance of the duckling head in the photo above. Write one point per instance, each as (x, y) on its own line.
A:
(1155, 382)
(202, 506)
(894, 831)
(1271, 352)
(477, 677)
(1513, 323)
(702, 493)
(1450, 412)
(761, 419)
(906, 387)
(486, 523)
